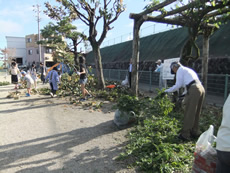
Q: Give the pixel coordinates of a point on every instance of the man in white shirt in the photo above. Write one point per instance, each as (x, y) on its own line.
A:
(195, 93)
(223, 141)
(159, 69)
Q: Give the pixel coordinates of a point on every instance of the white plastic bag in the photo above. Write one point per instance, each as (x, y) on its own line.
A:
(205, 154)
(126, 81)
(124, 118)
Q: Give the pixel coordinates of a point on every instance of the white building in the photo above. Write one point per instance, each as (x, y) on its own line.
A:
(17, 49)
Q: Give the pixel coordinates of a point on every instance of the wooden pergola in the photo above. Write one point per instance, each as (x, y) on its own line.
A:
(199, 16)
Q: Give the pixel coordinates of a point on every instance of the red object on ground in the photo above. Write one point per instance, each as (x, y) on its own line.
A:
(110, 86)
(203, 164)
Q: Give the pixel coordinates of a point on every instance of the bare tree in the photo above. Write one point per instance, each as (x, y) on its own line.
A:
(8, 56)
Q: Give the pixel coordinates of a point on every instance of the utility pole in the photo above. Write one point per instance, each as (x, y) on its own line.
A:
(37, 10)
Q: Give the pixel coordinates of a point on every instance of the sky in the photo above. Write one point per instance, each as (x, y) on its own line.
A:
(18, 18)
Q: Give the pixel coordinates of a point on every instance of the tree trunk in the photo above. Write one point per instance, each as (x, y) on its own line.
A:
(205, 59)
(99, 69)
(76, 58)
(75, 52)
(135, 55)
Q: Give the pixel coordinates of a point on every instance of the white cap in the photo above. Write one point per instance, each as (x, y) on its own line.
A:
(158, 61)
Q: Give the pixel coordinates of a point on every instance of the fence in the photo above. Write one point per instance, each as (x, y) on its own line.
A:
(218, 85)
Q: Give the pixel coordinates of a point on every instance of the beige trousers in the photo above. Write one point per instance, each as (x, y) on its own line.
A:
(193, 105)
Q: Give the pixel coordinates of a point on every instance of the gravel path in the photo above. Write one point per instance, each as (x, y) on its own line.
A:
(40, 134)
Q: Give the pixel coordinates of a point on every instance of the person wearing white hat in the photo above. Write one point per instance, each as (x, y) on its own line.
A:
(159, 69)
(29, 82)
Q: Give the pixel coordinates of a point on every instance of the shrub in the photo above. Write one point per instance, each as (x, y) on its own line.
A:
(154, 143)
(4, 83)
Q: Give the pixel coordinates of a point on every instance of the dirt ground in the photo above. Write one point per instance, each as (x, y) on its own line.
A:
(40, 134)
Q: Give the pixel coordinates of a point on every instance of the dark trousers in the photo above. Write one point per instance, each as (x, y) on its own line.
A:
(130, 73)
(52, 88)
(223, 163)
(42, 78)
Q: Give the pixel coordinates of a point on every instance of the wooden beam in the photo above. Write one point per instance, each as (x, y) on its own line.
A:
(150, 10)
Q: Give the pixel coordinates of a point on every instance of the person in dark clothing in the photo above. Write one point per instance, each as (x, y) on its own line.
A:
(83, 78)
(43, 72)
(130, 72)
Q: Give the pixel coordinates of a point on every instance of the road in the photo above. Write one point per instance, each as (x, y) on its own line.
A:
(40, 134)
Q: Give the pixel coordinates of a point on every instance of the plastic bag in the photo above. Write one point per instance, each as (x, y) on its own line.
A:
(205, 154)
(125, 82)
(123, 118)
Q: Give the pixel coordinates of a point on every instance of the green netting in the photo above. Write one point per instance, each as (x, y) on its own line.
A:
(220, 42)
(164, 45)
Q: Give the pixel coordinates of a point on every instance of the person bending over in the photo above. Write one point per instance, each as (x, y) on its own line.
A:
(194, 97)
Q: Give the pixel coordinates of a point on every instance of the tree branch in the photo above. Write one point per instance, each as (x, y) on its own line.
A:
(175, 21)
(80, 15)
(106, 22)
(216, 13)
(179, 10)
(150, 10)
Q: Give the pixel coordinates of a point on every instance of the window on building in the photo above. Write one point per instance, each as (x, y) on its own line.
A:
(30, 52)
(37, 51)
(29, 40)
(49, 50)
